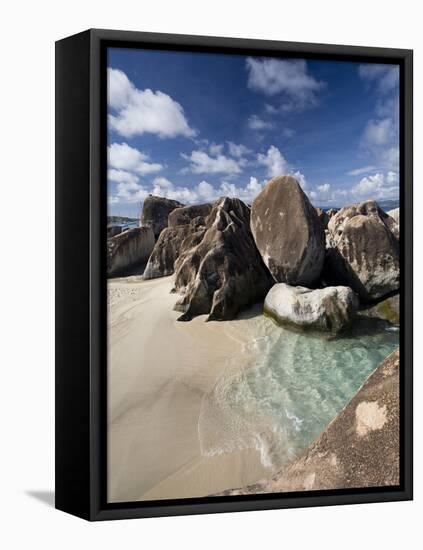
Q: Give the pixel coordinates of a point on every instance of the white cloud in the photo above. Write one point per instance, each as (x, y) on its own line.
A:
(378, 132)
(256, 123)
(129, 192)
(299, 176)
(386, 77)
(274, 161)
(119, 176)
(290, 78)
(237, 151)
(202, 163)
(216, 148)
(324, 188)
(123, 157)
(119, 88)
(377, 186)
(360, 171)
(144, 111)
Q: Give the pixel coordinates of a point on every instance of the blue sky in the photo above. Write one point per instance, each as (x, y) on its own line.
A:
(194, 127)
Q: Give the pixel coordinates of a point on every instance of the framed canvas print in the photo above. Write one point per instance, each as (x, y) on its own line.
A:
(234, 274)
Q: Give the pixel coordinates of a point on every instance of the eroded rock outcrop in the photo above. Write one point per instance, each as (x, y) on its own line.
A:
(395, 214)
(362, 251)
(223, 272)
(170, 244)
(155, 213)
(386, 310)
(128, 249)
(288, 232)
(369, 209)
(359, 448)
(185, 214)
(329, 309)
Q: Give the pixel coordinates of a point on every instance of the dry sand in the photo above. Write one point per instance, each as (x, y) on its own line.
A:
(159, 371)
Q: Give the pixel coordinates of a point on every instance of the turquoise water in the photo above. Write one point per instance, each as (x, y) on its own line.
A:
(295, 385)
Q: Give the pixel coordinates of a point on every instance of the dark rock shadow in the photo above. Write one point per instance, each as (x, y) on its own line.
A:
(46, 497)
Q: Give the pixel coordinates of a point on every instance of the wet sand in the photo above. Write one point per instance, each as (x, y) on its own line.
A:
(159, 372)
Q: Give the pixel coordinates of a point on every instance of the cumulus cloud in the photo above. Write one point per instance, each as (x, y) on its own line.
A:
(386, 77)
(377, 186)
(123, 176)
(129, 192)
(378, 132)
(256, 123)
(238, 151)
(274, 162)
(143, 111)
(288, 78)
(324, 188)
(123, 157)
(202, 163)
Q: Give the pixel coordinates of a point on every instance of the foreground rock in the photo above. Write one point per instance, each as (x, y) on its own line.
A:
(359, 448)
(363, 251)
(155, 213)
(386, 310)
(288, 232)
(329, 309)
(170, 244)
(185, 214)
(128, 249)
(223, 272)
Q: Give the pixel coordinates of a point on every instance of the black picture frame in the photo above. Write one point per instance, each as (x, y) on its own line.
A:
(81, 274)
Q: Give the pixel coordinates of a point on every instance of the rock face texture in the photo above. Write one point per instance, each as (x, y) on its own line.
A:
(369, 209)
(288, 232)
(395, 214)
(329, 309)
(129, 248)
(155, 213)
(170, 244)
(184, 215)
(323, 217)
(386, 310)
(223, 271)
(113, 230)
(331, 212)
(363, 251)
(359, 448)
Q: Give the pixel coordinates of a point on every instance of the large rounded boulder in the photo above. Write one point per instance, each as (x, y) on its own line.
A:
(363, 251)
(222, 271)
(155, 213)
(369, 209)
(365, 256)
(129, 249)
(288, 232)
(327, 309)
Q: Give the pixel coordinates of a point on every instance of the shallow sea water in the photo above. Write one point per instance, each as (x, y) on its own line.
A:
(294, 386)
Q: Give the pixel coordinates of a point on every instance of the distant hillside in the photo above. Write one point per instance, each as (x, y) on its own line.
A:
(120, 219)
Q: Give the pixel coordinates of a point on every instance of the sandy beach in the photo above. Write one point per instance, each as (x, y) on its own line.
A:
(159, 372)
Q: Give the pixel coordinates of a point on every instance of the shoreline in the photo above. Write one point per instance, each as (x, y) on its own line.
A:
(158, 375)
(189, 417)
